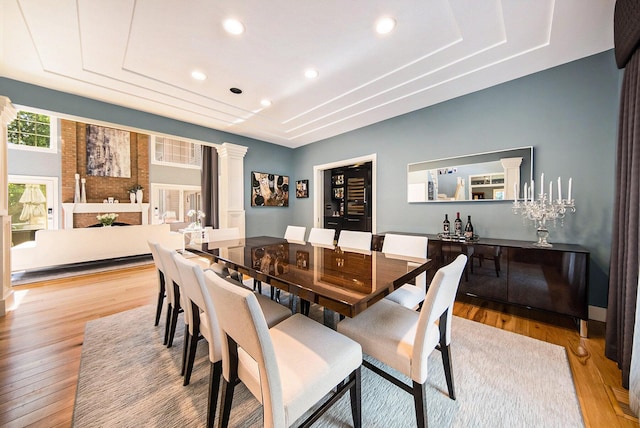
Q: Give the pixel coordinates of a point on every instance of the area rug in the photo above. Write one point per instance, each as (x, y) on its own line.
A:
(128, 378)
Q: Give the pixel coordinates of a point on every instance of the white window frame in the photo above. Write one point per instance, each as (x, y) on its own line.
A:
(156, 187)
(172, 164)
(53, 132)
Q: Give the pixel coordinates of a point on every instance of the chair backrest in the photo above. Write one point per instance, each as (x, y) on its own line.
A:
(225, 234)
(354, 240)
(156, 257)
(193, 284)
(405, 245)
(172, 276)
(295, 234)
(242, 320)
(322, 237)
(440, 297)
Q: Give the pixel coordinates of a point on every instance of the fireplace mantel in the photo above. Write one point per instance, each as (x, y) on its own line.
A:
(69, 209)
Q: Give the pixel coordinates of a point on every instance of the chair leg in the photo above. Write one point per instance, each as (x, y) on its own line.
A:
(191, 357)
(167, 324)
(420, 403)
(214, 386)
(174, 315)
(445, 350)
(172, 329)
(185, 349)
(305, 305)
(160, 298)
(225, 403)
(356, 401)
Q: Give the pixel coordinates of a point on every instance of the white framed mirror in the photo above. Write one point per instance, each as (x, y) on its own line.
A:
(490, 176)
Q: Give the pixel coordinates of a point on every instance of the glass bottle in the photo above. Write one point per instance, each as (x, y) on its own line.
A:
(446, 225)
(457, 225)
(468, 229)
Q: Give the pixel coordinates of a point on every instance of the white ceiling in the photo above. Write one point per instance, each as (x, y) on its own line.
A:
(140, 53)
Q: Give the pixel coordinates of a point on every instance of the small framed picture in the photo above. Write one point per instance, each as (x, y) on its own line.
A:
(302, 189)
(498, 194)
(338, 193)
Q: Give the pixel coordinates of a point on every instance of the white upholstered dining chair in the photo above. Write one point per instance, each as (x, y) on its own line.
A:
(319, 237)
(402, 338)
(205, 321)
(295, 234)
(288, 368)
(161, 280)
(356, 241)
(172, 287)
(409, 246)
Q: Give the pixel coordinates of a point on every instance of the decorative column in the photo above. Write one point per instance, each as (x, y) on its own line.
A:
(7, 114)
(231, 197)
(511, 168)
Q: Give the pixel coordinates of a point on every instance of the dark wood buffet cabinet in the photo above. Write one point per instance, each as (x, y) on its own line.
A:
(552, 279)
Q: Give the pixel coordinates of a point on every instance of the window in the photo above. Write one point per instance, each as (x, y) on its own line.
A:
(169, 151)
(32, 130)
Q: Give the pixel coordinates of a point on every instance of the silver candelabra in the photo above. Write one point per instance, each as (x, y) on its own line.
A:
(543, 209)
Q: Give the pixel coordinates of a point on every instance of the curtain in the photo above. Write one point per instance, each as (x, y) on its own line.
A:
(623, 274)
(210, 186)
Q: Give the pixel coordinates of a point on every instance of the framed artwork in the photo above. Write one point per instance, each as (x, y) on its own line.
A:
(338, 193)
(269, 190)
(498, 194)
(302, 189)
(108, 152)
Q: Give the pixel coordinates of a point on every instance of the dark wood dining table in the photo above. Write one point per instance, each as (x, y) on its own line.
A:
(345, 282)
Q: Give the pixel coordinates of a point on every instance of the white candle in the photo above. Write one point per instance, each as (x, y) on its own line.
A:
(533, 191)
(541, 184)
(559, 190)
(515, 192)
(550, 191)
(525, 192)
(569, 191)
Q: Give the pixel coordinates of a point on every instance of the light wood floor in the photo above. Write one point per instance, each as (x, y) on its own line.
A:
(41, 340)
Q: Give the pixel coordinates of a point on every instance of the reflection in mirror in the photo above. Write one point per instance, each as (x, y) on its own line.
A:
(487, 176)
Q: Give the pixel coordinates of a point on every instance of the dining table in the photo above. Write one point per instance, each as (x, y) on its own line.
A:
(344, 282)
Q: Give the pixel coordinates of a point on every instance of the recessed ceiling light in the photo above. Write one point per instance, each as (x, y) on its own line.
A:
(198, 75)
(311, 73)
(236, 90)
(233, 26)
(385, 25)
(265, 103)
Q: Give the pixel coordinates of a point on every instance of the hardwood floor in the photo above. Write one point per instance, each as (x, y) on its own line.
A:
(40, 345)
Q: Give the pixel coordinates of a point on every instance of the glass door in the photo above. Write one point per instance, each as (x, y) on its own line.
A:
(32, 206)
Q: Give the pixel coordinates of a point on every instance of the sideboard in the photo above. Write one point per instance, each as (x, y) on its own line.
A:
(552, 279)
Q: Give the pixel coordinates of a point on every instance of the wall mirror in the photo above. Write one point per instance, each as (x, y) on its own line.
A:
(490, 176)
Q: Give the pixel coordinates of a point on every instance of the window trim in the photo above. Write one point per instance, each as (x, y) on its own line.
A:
(154, 161)
(53, 132)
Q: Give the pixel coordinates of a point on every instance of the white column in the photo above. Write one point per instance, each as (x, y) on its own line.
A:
(7, 114)
(231, 186)
(511, 168)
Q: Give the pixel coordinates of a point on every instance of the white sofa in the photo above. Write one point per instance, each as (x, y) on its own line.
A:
(60, 247)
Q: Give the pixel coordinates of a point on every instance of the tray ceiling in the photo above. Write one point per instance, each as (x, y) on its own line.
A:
(140, 54)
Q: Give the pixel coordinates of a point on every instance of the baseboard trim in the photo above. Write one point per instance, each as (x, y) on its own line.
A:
(597, 313)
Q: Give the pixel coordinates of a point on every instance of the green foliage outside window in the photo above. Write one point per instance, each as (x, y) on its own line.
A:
(30, 129)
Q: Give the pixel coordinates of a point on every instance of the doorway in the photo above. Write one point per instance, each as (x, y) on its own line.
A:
(319, 187)
(32, 206)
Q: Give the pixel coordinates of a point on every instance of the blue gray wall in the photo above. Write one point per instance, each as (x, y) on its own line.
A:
(568, 114)
(260, 156)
